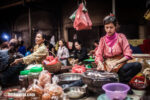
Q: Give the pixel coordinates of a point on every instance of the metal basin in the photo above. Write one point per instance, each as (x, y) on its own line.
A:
(75, 92)
(97, 79)
(67, 78)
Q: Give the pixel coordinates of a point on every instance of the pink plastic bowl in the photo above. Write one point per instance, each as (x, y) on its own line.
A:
(116, 90)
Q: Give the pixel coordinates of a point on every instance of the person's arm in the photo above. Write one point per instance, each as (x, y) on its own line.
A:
(123, 59)
(99, 55)
(99, 52)
(36, 56)
(41, 53)
(127, 52)
(92, 52)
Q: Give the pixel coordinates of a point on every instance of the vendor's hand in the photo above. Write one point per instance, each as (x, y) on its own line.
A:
(72, 61)
(76, 60)
(100, 66)
(16, 61)
(91, 52)
(111, 66)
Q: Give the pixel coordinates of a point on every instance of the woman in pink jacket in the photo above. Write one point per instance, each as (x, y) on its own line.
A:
(113, 52)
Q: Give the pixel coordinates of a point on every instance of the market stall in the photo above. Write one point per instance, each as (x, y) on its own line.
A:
(52, 81)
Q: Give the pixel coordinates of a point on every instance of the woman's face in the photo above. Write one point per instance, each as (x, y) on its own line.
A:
(61, 43)
(110, 29)
(77, 46)
(39, 39)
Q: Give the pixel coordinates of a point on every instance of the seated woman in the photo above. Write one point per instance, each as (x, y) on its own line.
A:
(62, 53)
(39, 54)
(80, 52)
(113, 52)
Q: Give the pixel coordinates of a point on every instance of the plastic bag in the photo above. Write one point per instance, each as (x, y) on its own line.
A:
(53, 90)
(50, 62)
(82, 20)
(72, 17)
(78, 69)
(55, 79)
(46, 96)
(45, 77)
(34, 88)
(46, 87)
(50, 58)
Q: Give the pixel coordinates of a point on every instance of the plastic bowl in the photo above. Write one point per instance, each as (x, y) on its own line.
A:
(75, 92)
(116, 90)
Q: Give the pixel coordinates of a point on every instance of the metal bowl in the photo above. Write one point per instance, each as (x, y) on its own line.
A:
(97, 79)
(75, 92)
(68, 78)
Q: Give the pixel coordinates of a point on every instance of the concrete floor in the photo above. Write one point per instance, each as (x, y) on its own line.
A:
(136, 96)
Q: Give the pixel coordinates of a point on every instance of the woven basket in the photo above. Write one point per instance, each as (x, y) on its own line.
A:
(139, 82)
(53, 68)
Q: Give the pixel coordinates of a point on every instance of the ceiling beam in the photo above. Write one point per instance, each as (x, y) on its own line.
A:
(15, 4)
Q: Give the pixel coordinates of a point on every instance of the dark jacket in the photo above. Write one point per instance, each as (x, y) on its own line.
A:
(7, 58)
(4, 58)
(9, 75)
(81, 54)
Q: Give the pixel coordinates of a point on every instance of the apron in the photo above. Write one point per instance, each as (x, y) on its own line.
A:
(111, 60)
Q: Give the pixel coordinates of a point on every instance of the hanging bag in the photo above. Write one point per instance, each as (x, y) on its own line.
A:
(82, 19)
(72, 16)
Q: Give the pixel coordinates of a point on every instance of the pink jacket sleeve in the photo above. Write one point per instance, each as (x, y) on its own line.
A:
(127, 52)
(99, 52)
